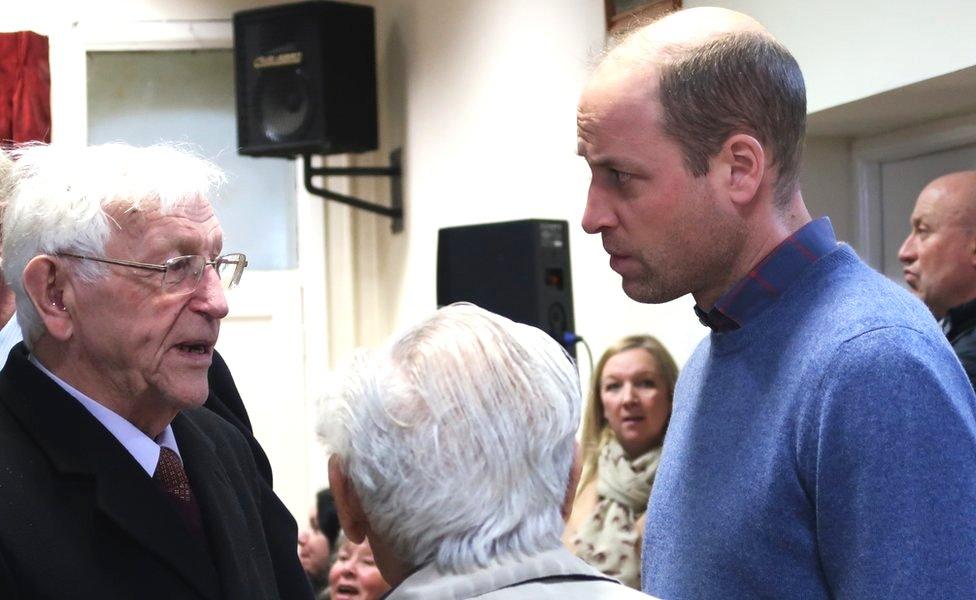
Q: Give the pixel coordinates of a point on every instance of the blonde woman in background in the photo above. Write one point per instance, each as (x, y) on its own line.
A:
(626, 417)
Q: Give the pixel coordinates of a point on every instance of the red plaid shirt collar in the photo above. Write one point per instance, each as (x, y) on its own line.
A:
(769, 279)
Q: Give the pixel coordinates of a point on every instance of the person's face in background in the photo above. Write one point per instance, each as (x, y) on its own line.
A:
(635, 401)
(314, 550)
(354, 575)
(939, 255)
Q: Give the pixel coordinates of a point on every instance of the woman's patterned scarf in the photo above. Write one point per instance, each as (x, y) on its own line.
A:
(608, 539)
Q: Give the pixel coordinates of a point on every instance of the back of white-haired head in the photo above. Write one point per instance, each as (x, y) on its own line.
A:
(64, 198)
(458, 438)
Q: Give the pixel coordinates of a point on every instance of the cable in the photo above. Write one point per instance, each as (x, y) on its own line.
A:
(570, 338)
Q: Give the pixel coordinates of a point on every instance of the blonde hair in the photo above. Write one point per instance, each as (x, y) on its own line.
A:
(596, 433)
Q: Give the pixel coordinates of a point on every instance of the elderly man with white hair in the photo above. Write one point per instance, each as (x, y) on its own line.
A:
(453, 453)
(115, 483)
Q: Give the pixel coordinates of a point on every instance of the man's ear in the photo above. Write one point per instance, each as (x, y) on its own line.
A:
(352, 519)
(575, 470)
(743, 162)
(51, 294)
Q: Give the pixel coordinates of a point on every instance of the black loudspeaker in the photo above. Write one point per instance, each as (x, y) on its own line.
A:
(518, 269)
(306, 79)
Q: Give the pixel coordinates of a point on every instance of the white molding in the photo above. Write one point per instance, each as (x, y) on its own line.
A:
(107, 36)
(869, 153)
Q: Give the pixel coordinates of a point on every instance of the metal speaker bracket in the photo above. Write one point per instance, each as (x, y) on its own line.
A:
(393, 171)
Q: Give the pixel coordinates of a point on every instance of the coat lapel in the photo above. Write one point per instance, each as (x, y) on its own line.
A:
(228, 515)
(77, 444)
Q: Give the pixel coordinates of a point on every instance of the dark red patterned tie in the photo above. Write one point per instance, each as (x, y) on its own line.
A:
(172, 479)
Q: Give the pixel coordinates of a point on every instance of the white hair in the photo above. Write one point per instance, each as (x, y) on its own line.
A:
(458, 437)
(63, 199)
(6, 177)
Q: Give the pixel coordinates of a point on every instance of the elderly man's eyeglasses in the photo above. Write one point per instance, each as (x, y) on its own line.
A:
(182, 274)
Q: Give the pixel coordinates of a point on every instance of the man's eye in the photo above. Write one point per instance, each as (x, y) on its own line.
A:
(619, 177)
(179, 265)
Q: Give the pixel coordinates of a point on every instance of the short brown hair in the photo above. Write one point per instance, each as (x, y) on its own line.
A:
(743, 82)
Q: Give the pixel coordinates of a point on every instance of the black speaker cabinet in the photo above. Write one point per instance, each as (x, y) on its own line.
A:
(306, 79)
(518, 269)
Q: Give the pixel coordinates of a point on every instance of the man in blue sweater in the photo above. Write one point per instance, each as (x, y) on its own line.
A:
(823, 441)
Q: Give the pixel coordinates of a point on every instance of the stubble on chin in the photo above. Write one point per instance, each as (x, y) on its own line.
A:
(648, 289)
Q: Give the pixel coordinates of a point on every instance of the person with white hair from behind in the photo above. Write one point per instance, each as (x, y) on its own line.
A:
(454, 455)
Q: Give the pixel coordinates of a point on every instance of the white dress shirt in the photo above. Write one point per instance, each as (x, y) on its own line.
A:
(142, 447)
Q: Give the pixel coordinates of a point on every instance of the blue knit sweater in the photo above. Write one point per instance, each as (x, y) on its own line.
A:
(826, 449)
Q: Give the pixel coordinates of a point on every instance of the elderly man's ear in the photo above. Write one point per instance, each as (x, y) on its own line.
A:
(51, 294)
(352, 519)
(574, 477)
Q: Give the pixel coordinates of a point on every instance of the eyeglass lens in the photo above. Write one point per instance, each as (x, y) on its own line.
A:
(183, 273)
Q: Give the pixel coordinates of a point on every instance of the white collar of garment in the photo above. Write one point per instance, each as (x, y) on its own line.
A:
(142, 447)
(429, 582)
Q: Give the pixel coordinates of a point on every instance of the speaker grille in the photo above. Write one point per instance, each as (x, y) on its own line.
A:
(284, 104)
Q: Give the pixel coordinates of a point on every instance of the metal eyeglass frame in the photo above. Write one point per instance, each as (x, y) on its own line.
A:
(238, 259)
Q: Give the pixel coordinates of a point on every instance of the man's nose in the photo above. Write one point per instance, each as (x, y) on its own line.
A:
(906, 254)
(597, 215)
(209, 295)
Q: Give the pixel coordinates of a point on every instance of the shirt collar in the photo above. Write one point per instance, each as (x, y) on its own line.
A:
(142, 447)
(769, 279)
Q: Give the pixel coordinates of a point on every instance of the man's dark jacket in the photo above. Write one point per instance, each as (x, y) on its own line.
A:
(960, 327)
(79, 518)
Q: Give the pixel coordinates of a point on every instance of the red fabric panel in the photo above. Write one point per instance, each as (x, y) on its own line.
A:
(25, 88)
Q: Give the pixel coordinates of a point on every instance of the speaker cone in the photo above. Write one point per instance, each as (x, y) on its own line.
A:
(284, 103)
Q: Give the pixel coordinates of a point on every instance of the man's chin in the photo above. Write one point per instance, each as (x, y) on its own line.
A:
(188, 397)
(645, 292)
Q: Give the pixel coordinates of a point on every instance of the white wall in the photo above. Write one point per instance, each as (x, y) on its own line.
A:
(853, 49)
(826, 181)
